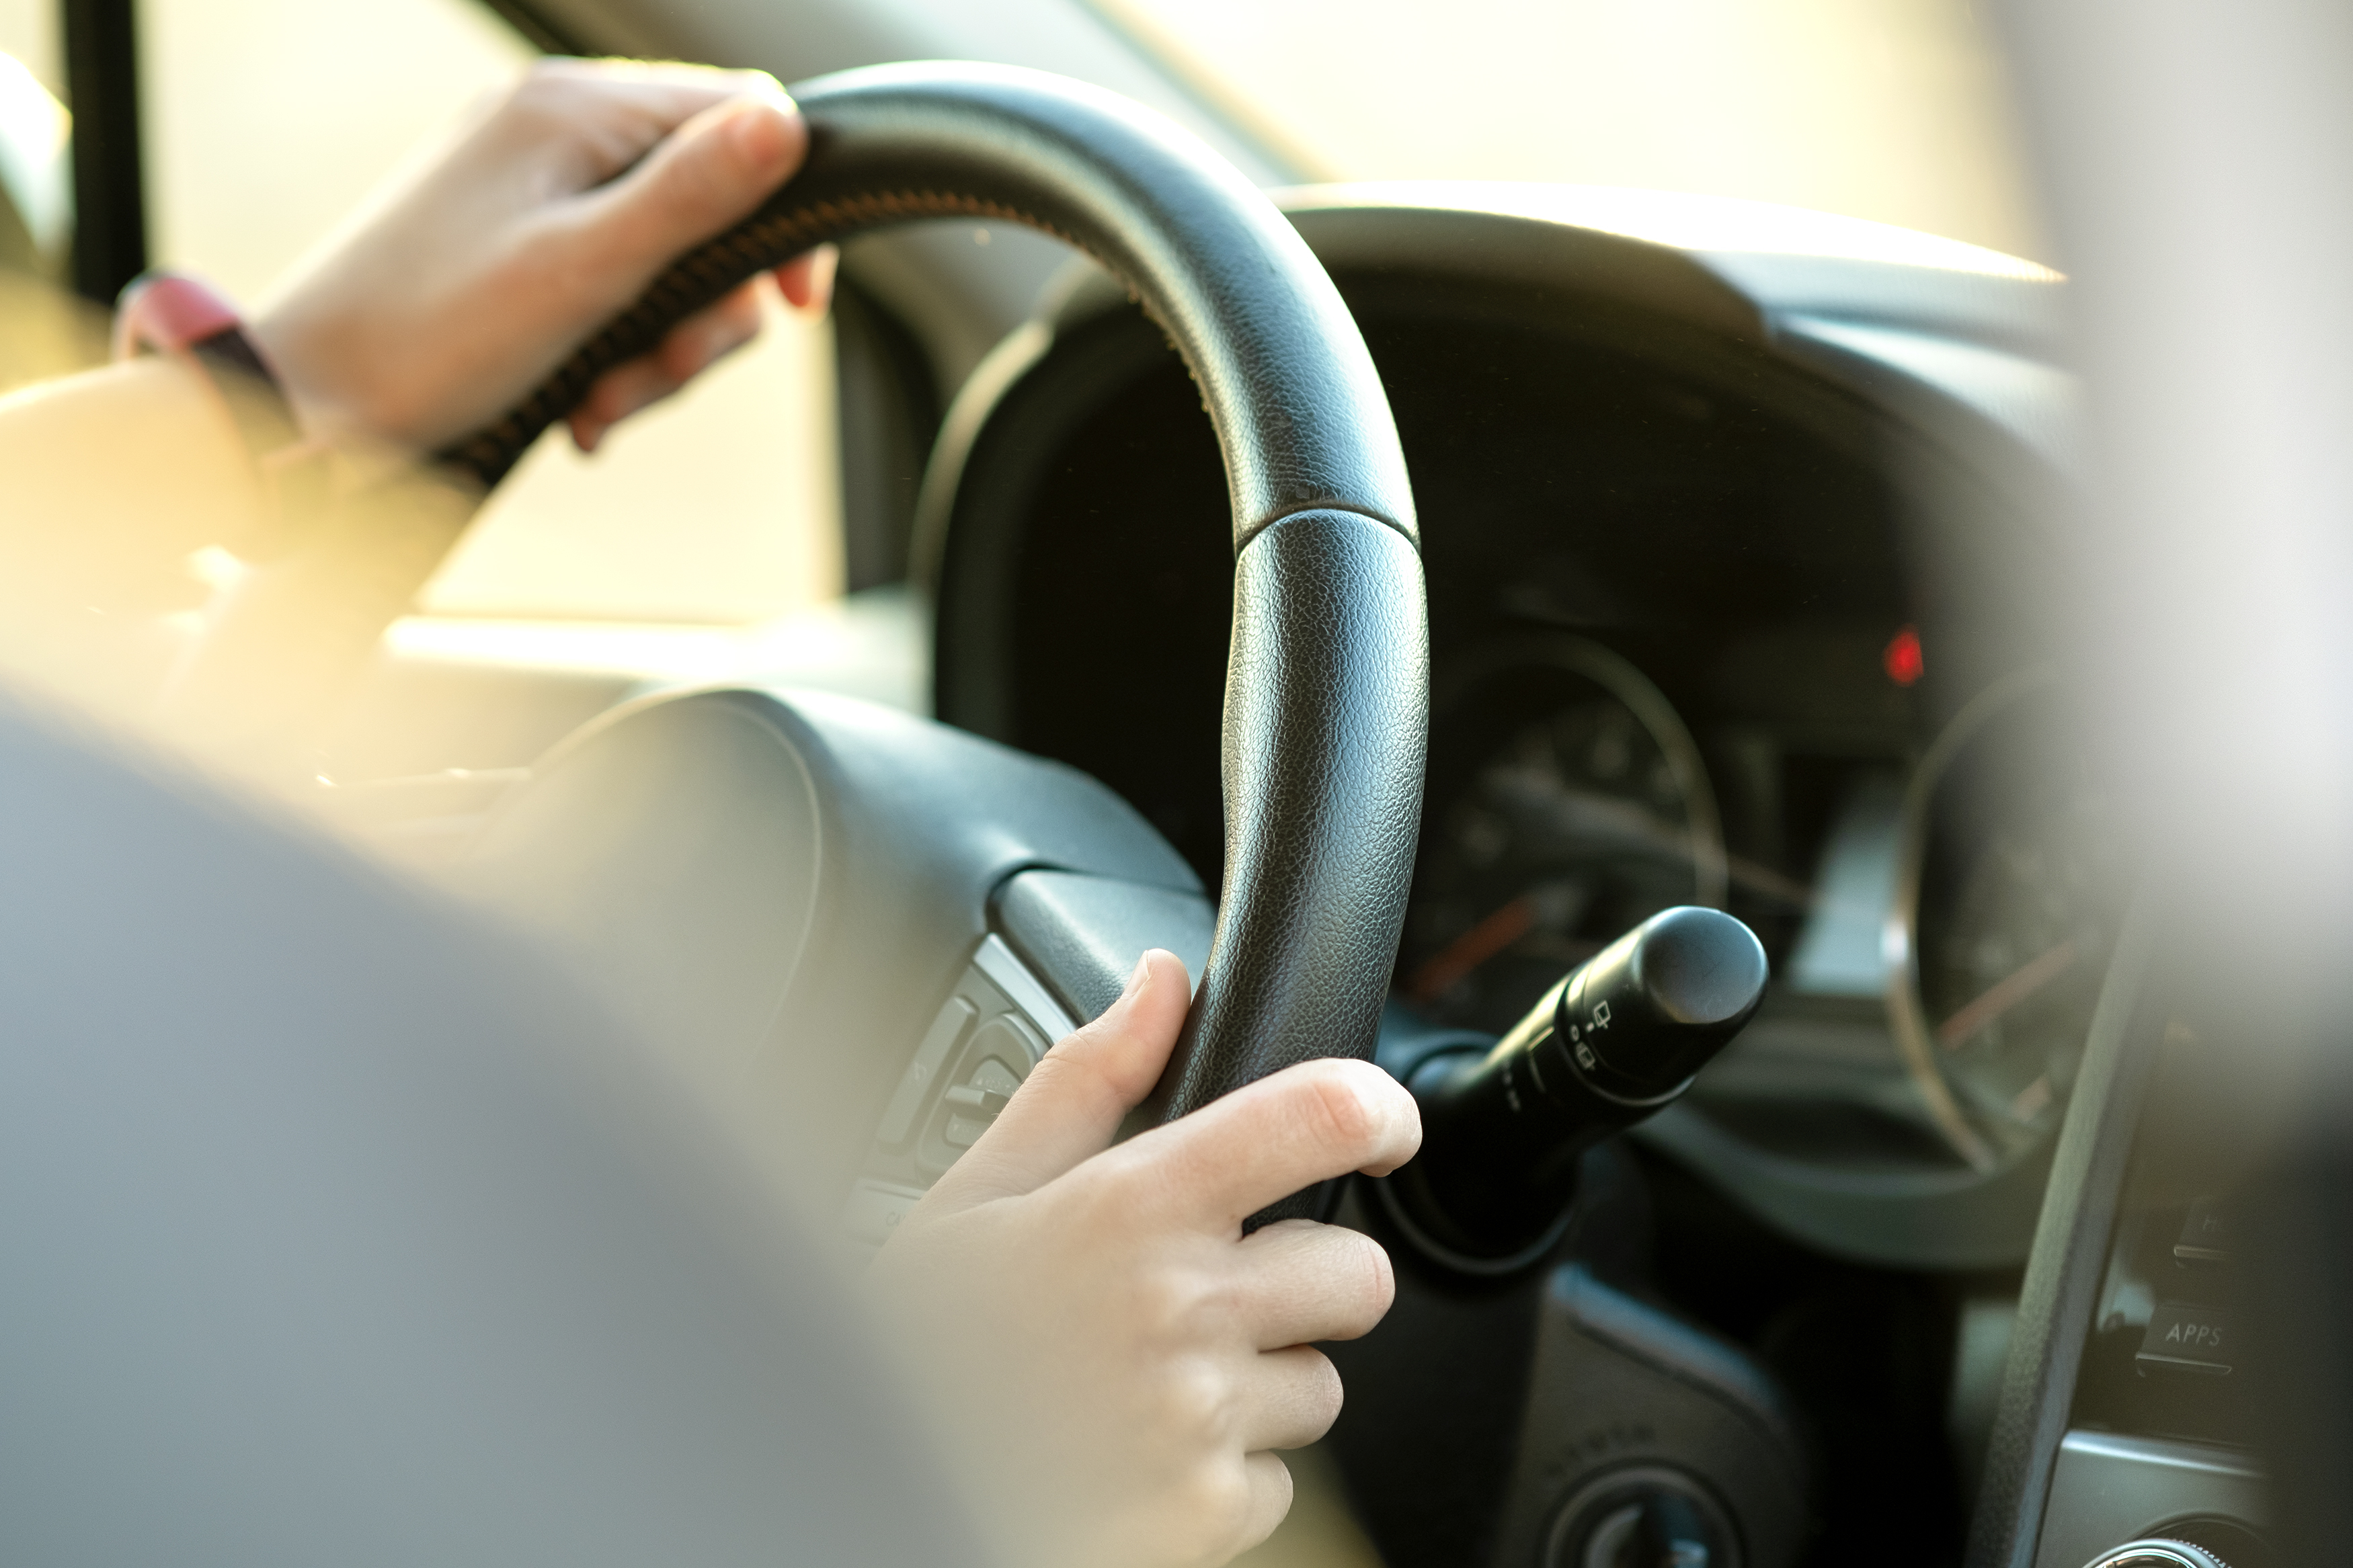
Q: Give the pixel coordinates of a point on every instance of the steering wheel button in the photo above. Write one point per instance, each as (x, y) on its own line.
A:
(946, 1030)
(993, 1051)
(995, 1080)
(988, 1102)
(2184, 1337)
(988, 1087)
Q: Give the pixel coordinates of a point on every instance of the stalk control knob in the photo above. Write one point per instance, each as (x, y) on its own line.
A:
(1615, 1040)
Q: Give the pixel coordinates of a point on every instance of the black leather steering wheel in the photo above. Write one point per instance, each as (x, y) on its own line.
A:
(1327, 682)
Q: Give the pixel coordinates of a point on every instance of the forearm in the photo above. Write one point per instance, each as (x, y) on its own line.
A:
(467, 282)
(109, 481)
(120, 473)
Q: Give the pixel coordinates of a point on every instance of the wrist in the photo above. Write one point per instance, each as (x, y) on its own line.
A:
(305, 348)
(181, 317)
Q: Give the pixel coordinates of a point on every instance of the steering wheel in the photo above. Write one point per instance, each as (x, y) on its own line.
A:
(1326, 686)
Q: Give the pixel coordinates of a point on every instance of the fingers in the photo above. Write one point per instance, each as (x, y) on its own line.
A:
(690, 348)
(808, 281)
(605, 115)
(1290, 1399)
(697, 344)
(685, 85)
(1267, 1139)
(711, 171)
(1269, 1500)
(1072, 1103)
(1300, 1282)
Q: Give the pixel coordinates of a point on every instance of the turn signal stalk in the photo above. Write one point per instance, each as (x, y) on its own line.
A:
(1614, 1041)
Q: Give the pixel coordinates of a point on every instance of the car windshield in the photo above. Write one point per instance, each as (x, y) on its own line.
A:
(723, 509)
(1890, 109)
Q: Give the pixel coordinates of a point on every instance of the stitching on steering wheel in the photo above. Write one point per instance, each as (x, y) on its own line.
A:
(695, 280)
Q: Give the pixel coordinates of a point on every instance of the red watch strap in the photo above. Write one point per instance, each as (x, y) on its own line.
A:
(171, 312)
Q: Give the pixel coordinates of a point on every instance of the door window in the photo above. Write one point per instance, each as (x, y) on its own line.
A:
(267, 120)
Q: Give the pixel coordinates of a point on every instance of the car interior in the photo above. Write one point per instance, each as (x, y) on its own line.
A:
(1431, 608)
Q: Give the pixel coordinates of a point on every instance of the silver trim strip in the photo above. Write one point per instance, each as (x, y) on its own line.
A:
(1023, 989)
(2158, 1451)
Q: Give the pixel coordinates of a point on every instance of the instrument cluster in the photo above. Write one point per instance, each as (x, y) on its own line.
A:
(1938, 899)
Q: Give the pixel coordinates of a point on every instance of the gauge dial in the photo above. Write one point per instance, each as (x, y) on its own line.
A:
(1569, 804)
(2009, 911)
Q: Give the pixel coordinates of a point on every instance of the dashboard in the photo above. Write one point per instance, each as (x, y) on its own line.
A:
(1719, 617)
(1746, 585)
(1743, 581)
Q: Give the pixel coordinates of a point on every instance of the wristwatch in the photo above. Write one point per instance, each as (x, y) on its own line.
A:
(176, 313)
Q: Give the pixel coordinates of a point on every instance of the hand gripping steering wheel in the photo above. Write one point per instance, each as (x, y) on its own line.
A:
(1327, 672)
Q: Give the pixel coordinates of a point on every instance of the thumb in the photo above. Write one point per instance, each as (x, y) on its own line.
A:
(703, 176)
(1068, 1109)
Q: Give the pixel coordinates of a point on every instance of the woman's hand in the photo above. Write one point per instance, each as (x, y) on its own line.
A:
(463, 285)
(1124, 1360)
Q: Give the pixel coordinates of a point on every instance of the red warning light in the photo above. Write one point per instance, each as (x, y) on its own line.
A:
(1902, 659)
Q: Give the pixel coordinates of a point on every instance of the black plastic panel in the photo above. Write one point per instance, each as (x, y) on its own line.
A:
(787, 887)
(1082, 935)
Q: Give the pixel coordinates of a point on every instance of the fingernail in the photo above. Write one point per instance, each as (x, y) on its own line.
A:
(1137, 980)
(757, 136)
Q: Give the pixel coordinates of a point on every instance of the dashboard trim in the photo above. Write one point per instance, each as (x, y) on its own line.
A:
(2106, 1488)
(2070, 1245)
